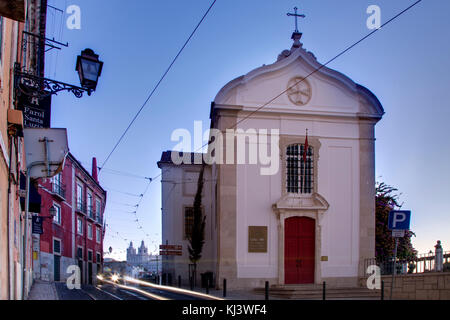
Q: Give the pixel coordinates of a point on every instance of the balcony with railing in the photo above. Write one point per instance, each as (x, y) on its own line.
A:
(91, 212)
(81, 207)
(98, 217)
(59, 190)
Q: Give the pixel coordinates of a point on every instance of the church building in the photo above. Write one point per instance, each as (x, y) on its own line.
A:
(310, 221)
(141, 257)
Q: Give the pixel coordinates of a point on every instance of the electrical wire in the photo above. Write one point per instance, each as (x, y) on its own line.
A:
(122, 173)
(157, 85)
(260, 107)
(311, 73)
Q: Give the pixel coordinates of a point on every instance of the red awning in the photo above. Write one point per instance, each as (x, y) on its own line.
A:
(13, 9)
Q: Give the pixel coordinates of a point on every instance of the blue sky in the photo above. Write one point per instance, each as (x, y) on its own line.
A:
(405, 64)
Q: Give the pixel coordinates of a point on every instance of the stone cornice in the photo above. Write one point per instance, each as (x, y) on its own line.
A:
(310, 202)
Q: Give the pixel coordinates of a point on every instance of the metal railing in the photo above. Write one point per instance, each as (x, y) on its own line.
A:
(59, 190)
(422, 263)
(98, 216)
(91, 212)
(81, 206)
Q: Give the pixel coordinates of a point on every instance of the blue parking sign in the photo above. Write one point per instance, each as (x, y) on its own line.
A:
(399, 219)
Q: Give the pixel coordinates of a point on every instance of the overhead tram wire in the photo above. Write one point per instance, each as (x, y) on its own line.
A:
(137, 208)
(122, 173)
(157, 85)
(313, 72)
(122, 203)
(328, 62)
(141, 196)
(319, 68)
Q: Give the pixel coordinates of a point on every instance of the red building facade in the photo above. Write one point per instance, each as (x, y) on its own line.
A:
(72, 207)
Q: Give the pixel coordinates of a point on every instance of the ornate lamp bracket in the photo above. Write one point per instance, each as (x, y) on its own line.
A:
(29, 84)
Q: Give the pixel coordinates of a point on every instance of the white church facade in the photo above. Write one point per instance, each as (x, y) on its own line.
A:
(141, 257)
(313, 220)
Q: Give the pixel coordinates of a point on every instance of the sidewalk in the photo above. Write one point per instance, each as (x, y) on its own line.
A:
(43, 290)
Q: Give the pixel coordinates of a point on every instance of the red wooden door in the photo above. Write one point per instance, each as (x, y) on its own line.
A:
(299, 250)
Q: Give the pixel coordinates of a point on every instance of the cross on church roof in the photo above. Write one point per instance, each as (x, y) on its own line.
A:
(296, 16)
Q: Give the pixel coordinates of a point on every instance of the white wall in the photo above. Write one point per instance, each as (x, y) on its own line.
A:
(331, 116)
(338, 182)
(179, 185)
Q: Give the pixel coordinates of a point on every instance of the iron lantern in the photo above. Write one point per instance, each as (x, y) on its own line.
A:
(89, 69)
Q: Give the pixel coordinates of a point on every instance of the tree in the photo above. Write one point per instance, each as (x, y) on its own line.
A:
(387, 200)
(197, 236)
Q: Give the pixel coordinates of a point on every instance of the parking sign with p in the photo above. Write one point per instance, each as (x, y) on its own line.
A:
(399, 219)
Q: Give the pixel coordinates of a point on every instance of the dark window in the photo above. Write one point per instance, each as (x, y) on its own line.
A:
(56, 246)
(98, 258)
(300, 173)
(80, 253)
(89, 255)
(188, 221)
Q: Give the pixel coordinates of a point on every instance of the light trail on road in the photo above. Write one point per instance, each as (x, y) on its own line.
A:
(172, 289)
(142, 292)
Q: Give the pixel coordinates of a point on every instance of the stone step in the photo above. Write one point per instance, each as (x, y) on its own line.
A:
(330, 290)
(315, 292)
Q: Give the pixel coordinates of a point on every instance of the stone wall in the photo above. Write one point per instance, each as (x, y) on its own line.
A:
(421, 286)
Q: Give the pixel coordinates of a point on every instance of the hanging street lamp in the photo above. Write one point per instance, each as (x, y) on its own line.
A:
(89, 69)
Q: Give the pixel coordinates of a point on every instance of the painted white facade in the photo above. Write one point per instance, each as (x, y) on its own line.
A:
(340, 117)
(179, 186)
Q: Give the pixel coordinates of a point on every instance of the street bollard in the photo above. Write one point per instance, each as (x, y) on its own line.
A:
(267, 290)
(323, 290)
(382, 289)
(224, 288)
(179, 281)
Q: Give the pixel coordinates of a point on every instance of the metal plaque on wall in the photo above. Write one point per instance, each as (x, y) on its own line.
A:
(37, 225)
(257, 239)
(36, 110)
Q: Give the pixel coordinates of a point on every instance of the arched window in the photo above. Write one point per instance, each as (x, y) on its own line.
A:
(300, 173)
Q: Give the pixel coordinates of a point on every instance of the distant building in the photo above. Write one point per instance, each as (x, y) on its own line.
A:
(141, 258)
(74, 236)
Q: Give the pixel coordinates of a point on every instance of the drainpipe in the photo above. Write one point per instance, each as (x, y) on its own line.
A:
(25, 254)
(8, 212)
(24, 249)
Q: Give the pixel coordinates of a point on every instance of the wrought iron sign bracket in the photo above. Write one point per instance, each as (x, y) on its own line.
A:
(35, 86)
